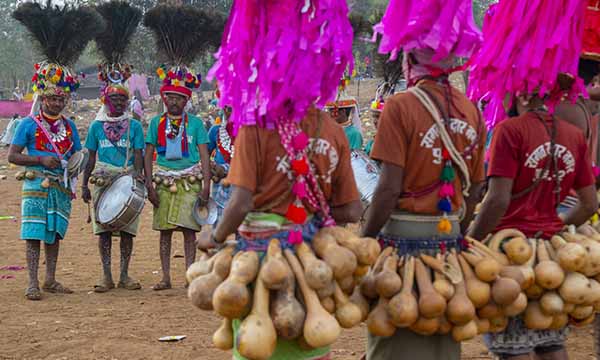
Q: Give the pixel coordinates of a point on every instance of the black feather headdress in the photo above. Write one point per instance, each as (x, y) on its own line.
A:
(60, 33)
(390, 71)
(182, 33)
(122, 21)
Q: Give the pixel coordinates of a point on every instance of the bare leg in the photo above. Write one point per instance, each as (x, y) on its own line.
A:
(32, 254)
(126, 248)
(165, 260)
(189, 247)
(189, 244)
(105, 247)
(50, 284)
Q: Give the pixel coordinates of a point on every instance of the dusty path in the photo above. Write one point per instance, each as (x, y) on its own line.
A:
(124, 324)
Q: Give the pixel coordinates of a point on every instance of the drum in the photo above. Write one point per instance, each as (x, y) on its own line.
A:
(366, 174)
(120, 203)
(77, 163)
(205, 215)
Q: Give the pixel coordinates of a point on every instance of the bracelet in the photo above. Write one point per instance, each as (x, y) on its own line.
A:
(39, 160)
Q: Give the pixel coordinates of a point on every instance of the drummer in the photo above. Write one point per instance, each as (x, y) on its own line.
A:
(50, 140)
(180, 140)
(116, 140)
(345, 112)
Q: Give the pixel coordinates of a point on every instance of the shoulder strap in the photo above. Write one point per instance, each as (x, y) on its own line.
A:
(436, 114)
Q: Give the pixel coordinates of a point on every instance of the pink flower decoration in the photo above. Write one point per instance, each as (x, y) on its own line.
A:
(447, 190)
(295, 237)
(299, 189)
(300, 141)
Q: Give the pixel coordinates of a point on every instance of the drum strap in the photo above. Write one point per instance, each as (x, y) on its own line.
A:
(126, 165)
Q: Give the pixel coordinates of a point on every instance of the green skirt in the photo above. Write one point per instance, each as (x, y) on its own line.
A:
(176, 209)
(285, 349)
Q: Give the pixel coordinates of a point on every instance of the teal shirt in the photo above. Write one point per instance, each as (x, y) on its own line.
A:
(369, 147)
(354, 137)
(196, 134)
(114, 154)
(25, 137)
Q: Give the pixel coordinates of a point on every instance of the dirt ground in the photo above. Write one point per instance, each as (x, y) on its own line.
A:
(125, 324)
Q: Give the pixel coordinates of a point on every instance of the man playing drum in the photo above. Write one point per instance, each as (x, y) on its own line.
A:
(430, 141)
(118, 141)
(50, 139)
(115, 140)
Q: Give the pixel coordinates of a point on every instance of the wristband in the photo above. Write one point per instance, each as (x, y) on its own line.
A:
(39, 160)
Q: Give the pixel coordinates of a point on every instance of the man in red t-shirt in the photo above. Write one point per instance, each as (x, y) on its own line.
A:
(520, 156)
(535, 160)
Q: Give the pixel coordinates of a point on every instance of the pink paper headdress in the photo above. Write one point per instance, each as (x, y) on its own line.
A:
(527, 44)
(445, 26)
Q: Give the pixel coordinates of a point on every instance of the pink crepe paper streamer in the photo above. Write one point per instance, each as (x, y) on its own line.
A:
(12, 268)
(295, 237)
(526, 45)
(445, 26)
(279, 58)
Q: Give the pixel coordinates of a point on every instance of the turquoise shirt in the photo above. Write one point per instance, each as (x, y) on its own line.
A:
(196, 134)
(354, 137)
(114, 153)
(25, 137)
(369, 147)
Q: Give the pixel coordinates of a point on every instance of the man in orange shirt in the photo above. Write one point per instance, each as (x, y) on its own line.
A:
(407, 211)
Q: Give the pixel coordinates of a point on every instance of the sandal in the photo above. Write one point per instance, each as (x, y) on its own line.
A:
(56, 288)
(104, 286)
(129, 284)
(163, 285)
(33, 294)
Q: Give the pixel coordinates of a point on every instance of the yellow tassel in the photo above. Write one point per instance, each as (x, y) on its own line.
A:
(444, 226)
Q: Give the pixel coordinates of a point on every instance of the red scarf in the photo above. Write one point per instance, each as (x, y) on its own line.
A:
(162, 136)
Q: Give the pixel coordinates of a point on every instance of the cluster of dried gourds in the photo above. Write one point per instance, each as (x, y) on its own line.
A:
(308, 292)
(312, 291)
(549, 283)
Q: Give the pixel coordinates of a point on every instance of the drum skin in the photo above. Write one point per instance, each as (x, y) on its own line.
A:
(366, 173)
(121, 202)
